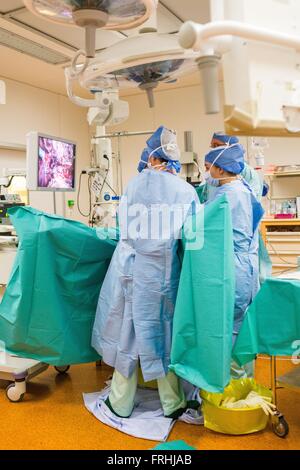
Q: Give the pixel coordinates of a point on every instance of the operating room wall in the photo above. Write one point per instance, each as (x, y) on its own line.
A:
(28, 109)
(11, 159)
(183, 109)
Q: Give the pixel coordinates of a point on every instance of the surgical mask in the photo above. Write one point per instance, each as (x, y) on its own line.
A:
(210, 180)
(216, 181)
(162, 166)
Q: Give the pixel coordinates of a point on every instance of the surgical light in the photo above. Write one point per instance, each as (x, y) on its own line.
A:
(94, 14)
(143, 62)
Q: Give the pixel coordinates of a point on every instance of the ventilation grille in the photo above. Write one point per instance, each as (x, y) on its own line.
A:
(26, 46)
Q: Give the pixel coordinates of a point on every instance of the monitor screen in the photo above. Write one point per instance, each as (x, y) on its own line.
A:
(56, 164)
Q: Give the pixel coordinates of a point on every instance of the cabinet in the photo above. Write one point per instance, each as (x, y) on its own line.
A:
(282, 239)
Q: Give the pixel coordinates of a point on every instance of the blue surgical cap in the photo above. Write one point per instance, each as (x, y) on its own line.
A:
(155, 140)
(144, 159)
(231, 159)
(226, 139)
(163, 144)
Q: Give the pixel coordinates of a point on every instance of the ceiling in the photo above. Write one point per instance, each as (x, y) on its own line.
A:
(56, 43)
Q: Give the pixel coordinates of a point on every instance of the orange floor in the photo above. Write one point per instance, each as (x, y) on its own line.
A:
(53, 416)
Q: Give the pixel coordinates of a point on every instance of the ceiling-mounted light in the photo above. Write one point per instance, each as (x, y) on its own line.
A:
(209, 68)
(94, 14)
(142, 61)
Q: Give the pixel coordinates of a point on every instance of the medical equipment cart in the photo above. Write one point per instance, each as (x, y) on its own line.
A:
(291, 380)
(18, 371)
(272, 327)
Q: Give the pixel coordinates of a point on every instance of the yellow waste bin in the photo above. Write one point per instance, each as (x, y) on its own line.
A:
(235, 421)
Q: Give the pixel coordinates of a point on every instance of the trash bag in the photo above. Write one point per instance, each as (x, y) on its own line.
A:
(203, 319)
(235, 421)
(48, 309)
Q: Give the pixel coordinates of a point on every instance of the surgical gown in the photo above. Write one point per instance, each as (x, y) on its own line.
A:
(246, 213)
(135, 311)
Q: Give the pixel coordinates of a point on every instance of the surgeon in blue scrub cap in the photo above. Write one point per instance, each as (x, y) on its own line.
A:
(219, 139)
(249, 174)
(223, 166)
(161, 152)
(134, 318)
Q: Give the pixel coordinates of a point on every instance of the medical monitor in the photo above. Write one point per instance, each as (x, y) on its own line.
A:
(50, 163)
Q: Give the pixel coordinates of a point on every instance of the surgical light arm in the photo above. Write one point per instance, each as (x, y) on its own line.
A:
(72, 76)
(219, 37)
(106, 108)
(196, 36)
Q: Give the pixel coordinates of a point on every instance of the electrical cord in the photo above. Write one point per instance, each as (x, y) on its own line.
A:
(107, 184)
(107, 171)
(90, 194)
(91, 214)
(282, 259)
(286, 271)
(78, 196)
(105, 179)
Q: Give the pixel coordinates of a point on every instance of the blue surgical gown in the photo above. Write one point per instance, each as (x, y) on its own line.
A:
(135, 311)
(246, 213)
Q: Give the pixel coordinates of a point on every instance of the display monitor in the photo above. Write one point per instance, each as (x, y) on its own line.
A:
(50, 163)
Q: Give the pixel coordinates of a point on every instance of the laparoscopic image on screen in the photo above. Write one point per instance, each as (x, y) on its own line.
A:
(56, 164)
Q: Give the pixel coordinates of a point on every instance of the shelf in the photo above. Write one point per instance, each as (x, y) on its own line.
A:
(281, 221)
(279, 175)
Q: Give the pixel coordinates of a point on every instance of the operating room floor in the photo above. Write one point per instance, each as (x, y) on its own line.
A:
(52, 416)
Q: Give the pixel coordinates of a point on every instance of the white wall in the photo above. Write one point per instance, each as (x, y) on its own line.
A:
(27, 109)
(180, 109)
(183, 109)
(16, 159)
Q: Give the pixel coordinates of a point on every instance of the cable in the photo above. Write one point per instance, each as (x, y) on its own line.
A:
(105, 182)
(90, 195)
(286, 271)
(105, 178)
(282, 259)
(78, 197)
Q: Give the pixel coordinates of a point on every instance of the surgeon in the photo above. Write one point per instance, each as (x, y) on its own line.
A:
(224, 166)
(251, 176)
(134, 318)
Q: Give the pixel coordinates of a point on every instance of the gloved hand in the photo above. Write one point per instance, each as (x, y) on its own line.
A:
(251, 401)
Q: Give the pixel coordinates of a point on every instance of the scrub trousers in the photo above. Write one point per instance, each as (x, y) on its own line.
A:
(123, 390)
(243, 372)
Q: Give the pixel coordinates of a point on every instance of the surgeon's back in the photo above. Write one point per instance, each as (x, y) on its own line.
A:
(150, 195)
